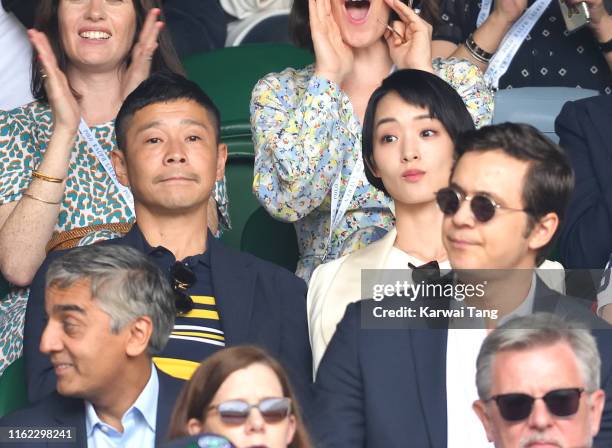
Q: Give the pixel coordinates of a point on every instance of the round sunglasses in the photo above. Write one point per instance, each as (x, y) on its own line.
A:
(236, 412)
(483, 207)
(560, 402)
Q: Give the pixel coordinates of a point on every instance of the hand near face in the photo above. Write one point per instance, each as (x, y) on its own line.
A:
(65, 107)
(415, 51)
(142, 53)
(334, 59)
(510, 10)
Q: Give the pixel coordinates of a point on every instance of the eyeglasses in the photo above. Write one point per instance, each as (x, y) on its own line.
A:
(183, 278)
(235, 412)
(483, 207)
(560, 402)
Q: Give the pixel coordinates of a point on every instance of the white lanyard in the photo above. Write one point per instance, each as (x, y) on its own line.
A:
(102, 157)
(512, 41)
(338, 210)
(485, 10)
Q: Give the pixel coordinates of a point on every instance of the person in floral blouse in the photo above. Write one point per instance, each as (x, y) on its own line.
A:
(307, 122)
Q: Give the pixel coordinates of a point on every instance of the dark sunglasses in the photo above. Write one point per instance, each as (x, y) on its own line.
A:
(183, 278)
(236, 412)
(483, 207)
(560, 402)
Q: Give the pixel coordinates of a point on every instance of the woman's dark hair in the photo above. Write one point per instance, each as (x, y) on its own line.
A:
(164, 58)
(197, 394)
(422, 89)
(299, 20)
(549, 181)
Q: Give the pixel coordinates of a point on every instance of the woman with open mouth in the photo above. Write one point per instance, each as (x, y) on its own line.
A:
(307, 122)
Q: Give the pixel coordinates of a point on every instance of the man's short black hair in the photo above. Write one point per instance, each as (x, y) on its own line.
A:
(549, 180)
(163, 88)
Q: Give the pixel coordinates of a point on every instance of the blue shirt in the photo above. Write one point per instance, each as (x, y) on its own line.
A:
(138, 422)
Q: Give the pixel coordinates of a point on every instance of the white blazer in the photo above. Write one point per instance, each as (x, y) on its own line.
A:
(335, 284)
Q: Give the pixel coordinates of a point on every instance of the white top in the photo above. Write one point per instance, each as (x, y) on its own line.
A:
(15, 63)
(242, 9)
(463, 426)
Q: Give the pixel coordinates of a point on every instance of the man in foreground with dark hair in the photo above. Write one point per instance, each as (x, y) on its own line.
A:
(538, 381)
(109, 311)
(170, 156)
(397, 382)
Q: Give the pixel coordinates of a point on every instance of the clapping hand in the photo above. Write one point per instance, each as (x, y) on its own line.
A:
(142, 53)
(334, 58)
(65, 107)
(414, 49)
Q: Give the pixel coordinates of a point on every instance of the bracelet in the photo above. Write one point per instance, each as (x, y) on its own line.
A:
(31, 196)
(478, 53)
(605, 47)
(54, 180)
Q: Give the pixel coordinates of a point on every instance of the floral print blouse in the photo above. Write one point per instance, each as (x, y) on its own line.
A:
(306, 134)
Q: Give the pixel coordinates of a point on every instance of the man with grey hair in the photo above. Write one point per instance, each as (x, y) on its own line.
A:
(538, 381)
(109, 311)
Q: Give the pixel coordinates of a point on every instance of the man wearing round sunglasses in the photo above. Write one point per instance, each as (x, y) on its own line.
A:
(380, 387)
(538, 380)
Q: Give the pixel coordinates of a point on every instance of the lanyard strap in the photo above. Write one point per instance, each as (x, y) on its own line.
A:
(512, 41)
(102, 157)
(339, 209)
(485, 10)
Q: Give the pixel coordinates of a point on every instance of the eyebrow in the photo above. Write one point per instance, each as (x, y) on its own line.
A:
(493, 196)
(391, 119)
(69, 307)
(187, 121)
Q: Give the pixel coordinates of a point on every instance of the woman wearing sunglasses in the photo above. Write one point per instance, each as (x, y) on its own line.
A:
(241, 393)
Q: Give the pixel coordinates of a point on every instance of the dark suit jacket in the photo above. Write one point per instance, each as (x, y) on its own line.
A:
(259, 303)
(58, 411)
(585, 133)
(387, 388)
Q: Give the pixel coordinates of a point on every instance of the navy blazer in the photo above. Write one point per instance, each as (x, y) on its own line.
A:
(259, 303)
(57, 411)
(387, 388)
(585, 133)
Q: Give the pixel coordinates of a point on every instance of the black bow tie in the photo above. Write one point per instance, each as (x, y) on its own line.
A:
(426, 272)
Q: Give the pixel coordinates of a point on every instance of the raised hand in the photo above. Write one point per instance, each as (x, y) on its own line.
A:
(509, 10)
(334, 58)
(65, 107)
(413, 49)
(142, 53)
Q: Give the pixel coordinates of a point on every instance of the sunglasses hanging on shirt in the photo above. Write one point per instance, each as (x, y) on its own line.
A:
(183, 278)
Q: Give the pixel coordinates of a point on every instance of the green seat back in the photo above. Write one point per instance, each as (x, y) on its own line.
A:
(270, 239)
(228, 75)
(253, 229)
(13, 393)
